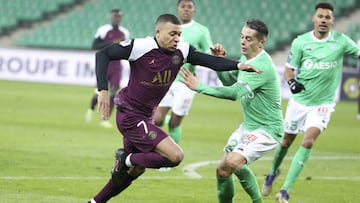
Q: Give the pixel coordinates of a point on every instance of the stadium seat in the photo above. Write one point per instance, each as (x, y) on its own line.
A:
(14, 12)
(223, 18)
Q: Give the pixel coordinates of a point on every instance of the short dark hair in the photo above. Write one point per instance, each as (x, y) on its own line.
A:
(179, 1)
(259, 26)
(115, 10)
(325, 5)
(167, 17)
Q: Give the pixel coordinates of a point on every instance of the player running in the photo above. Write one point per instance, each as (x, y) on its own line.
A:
(317, 57)
(154, 62)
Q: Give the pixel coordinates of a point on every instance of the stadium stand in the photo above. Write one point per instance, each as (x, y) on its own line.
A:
(18, 12)
(224, 19)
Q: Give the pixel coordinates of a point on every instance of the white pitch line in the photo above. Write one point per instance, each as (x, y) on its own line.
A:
(190, 169)
(71, 178)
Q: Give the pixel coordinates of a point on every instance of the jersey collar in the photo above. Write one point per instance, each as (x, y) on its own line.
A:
(188, 24)
(250, 60)
(320, 40)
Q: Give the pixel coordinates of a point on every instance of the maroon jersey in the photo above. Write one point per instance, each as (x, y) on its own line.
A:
(152, 70)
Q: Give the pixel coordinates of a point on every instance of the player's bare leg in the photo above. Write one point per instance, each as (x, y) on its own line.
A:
(160, 115)
(236, 163)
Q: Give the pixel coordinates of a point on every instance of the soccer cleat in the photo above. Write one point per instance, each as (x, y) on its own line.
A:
(88, 115)
(119, 168)
(282, 197)
(267, 186)
(106, 124)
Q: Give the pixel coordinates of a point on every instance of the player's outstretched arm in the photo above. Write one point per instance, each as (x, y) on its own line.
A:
(217, 61)
(233, 92)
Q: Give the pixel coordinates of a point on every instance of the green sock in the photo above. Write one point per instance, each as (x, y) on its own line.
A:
(225, 189)
(280, 153)
(297, 165)
(175, 134)
(248, 182)
(166, 121)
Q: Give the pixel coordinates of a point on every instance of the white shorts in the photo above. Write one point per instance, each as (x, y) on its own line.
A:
(251, 144)
(299, 118)
(179, 98)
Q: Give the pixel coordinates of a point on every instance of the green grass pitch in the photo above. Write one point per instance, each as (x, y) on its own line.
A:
(49, 154)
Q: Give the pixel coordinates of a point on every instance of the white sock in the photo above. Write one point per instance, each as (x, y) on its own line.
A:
(92, 201)
(128, 162)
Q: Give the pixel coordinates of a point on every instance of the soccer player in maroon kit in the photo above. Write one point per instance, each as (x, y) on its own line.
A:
(154, 63)
(106, 35)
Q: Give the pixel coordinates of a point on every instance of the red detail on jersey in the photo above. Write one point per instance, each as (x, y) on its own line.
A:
(251, 137)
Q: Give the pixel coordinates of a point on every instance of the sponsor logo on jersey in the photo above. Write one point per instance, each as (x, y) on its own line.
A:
(162, 77)
(309, 64)
(175, 60)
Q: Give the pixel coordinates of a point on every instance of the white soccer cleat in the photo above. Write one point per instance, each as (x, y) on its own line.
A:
(106, 124)
(88, 115)
(267, 186)
(282, 197)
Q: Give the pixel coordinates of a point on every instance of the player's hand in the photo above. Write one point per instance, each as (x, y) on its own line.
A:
(189, 80)
(295, 86)
(248, 68)
(104, 104)
(218, 50)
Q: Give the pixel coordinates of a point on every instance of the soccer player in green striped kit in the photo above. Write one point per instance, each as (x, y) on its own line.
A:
(317, 56)
(179, 97)
(262, 128)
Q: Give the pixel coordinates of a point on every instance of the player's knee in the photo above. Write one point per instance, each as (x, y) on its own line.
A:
(222, 173)
(235, 161)
(159, 122)
(287, 141)
(177, 157)
(174, 125)
(308, 144)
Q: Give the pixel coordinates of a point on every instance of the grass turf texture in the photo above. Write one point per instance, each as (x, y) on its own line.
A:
(49, 154)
